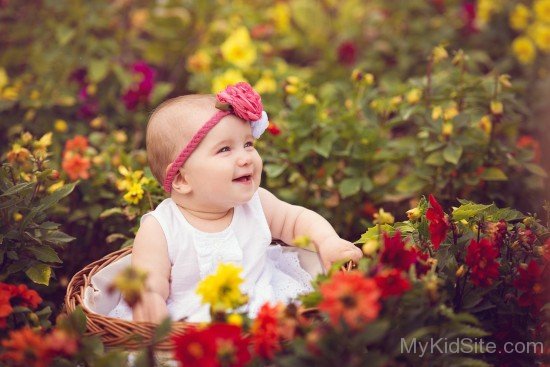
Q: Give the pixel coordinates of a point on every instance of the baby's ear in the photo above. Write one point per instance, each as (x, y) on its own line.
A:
(180, 183)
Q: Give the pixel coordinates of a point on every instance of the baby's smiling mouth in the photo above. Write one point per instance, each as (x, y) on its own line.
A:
(244, 179)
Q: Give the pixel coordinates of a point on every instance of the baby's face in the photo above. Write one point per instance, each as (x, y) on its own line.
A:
(225, 169)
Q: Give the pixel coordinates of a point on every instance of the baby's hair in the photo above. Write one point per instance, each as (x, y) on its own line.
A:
(168, 128)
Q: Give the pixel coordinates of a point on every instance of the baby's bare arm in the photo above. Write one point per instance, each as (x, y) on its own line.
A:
(150, 253)
(287, 222)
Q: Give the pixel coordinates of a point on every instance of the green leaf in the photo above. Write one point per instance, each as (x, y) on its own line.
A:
(162, 331)
(64, 34)
(495, 214)
(40, 274)
(493, 174)
(349, 187)
(274, 170)
(111, 211)
(375, 331)
(469, 210)
(44, 253)
(78, 320)
(160, 92)
(372, 233)
(367, 184)
(410, 183)
(536, 169)
(16, 189)
(435, 159)
(98, 70)
(452, 153)
(57, 237)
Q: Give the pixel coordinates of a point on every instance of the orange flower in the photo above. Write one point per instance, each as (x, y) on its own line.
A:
(528, 142)
(78, 144)
(29, 297)
(24, 348)
(75, 165)
(350, 297)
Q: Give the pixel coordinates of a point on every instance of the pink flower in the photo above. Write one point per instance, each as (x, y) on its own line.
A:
(141, 90)
(347, 53)
(245, 101)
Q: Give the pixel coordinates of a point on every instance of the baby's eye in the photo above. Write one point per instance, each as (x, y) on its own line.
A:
(224, 149)
(249, 144)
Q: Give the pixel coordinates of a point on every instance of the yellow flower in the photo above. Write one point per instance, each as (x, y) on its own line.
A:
(291, 89)
(235, 319)
(413, 96)
(97, 122)
(199, 62)
(56, 186)
(231, 76)
(4, 79)
(542, 10)
(524, 50)
(222, 289)
(383, 217)
(370, 247)
(18, 154)
(280, 14)
(130, 178)
(394, 101)
(301, 241)
(238, 48)
(439, 54)
(134, 194)
(60, 126)
(131, 282)
(17, 217)
(504, 79)
(450, 113)
(542, 37)
(10, 94)
(485, 9)
(266, 84)
(437, 112)
(120, 136)
(413, 214)
(34, 95)
(496, 107)
(294, 80)
(485, 124)
(310, 99)
(26, 137)
(519, 17)
(447, 129)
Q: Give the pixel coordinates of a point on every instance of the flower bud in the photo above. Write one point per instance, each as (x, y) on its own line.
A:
(496, 108)
(17, 216)
(60, 126)
(413, 214)
(54, 175)
(529, 221)
(120, 136)
(383, 217)
(504, 80)
(293, 80)
(291, 89)
(34, 318)
(310, 99)
(447, 129)
(460, 271)
(370, 247)
(235, 319)
(413, 96)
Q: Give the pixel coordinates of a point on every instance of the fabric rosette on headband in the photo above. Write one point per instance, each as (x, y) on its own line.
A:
(239, 99)
(243, 101)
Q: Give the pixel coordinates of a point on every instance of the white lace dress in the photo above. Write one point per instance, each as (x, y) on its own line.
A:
(269, 273)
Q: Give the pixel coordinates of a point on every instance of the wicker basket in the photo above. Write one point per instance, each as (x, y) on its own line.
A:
(115, 332)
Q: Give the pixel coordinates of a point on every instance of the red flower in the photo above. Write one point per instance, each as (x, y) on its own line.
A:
(16, 295)
(217, 345)
(350, 297)
(243, 99)
(422, 265)
(528, 142)
(469, 17)
(395, 253)
(29, 297)
(480, 257)
(273, 129)
(392, 283)
(439, 224)
(265, 338)
(497, 232)
(24, 347)
(75, 166)
(530, 283)
(78, 144)
(141, 90)
(347, 53)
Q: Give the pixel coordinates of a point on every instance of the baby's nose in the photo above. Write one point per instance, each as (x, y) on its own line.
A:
(244, 159)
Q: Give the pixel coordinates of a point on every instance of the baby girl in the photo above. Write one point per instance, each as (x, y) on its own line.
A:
(201, 149)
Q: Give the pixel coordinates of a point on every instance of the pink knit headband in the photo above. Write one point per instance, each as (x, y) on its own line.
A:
(240, 99)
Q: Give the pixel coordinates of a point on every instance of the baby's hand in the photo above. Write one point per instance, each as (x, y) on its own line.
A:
(334, 248)
(151, 308)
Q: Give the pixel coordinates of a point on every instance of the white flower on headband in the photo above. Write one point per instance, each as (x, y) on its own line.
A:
(259, 126)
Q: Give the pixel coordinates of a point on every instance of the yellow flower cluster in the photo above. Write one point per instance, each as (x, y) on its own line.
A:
(535, 25)
(132, 183)
(485, 9)
(222, 289)
(238, 48)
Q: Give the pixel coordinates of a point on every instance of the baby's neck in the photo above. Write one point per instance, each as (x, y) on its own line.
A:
(207, 221)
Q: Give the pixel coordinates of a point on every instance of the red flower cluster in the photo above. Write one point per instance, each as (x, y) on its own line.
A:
(530, 282)
(24, 347)
(439, 224)
(391, 283)
(351, 298)
(16, 295)
(481, 258)
(497, 232)
(74, 163)
(214, 346)
(347, 53)
(273, 129)
(265, 336)
(141, 90)
(396, 254)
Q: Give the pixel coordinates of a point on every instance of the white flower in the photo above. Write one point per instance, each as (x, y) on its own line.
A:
(259, 126)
